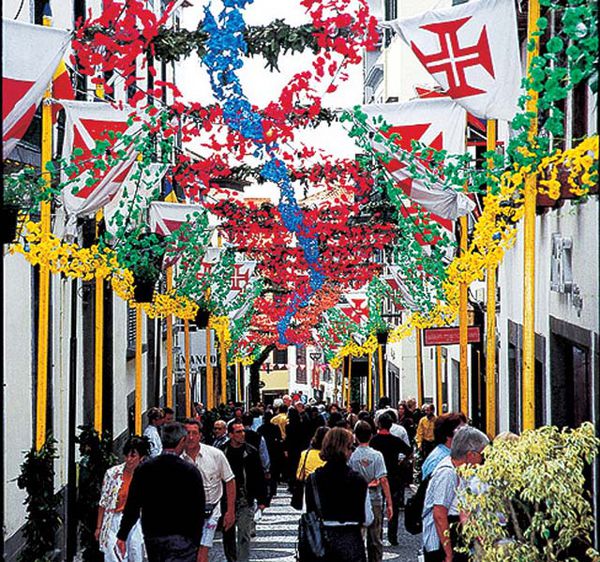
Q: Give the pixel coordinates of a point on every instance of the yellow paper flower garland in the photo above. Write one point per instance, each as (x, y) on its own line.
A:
(494, 233)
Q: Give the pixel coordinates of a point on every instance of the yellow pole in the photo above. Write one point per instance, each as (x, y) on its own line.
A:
(349, 386)
(438, 378)
(169, 389)
(419, 367)
(463, 327)
(44, 290)
(238, 372)
(98, 326)
(188, 405)
(210, 382)
(138, 369)
(490, 354)
(223, 373)
(98, 351)
(370, 381)
(380, 365)
(530, 194)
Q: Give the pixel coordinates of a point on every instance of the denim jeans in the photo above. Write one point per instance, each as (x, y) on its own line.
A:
(172, 548)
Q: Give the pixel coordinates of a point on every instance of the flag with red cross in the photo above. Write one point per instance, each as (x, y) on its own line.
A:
(97, 179)
(472, 51)
(30, 55)
(438, 123)
(356, 307)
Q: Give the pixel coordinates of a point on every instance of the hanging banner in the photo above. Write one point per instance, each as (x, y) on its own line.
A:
(472, 51)
(355, 306)
(167, 218)
(86, 124)
(439, 123)
(30, 55)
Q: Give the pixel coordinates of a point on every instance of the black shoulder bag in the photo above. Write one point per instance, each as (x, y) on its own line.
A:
(311, 532)
(298, 487)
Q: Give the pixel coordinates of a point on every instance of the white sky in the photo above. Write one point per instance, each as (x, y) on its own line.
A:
(262, 86)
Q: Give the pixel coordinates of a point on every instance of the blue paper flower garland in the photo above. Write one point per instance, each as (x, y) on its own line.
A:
(225, 47)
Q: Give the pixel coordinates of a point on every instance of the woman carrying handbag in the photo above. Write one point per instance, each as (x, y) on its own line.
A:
(337, 506)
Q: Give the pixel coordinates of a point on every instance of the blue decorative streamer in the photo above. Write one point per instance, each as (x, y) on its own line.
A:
(225, 47)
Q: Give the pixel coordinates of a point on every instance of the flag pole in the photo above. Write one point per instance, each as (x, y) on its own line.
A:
(349, 385)
(238, 377)
(490, 355)
(380, 365)
(98, 325)
(44, 288)
(210, 383)
(188, 405)
(138, 369)
(223, 372)
(419, 367)
(530, 194)
(169, 389)
(463, 318)
(370, 381)
(438, 378)
(463, 327)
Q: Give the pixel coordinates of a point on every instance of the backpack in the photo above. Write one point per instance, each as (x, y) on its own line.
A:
(413, 510)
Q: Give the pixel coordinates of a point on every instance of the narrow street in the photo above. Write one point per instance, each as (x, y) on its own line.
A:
(276, 536)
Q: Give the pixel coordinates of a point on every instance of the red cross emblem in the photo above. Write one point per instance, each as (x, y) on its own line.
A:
(452, 59)
(240, 278)
(356, 309)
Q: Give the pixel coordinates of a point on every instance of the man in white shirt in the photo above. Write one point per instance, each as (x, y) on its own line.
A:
(215, 470)
(155, 420)
(440, 509)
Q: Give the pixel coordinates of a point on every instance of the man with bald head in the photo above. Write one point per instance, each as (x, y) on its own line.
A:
(220, 433)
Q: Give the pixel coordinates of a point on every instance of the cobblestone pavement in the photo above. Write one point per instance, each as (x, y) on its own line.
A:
(277, 531)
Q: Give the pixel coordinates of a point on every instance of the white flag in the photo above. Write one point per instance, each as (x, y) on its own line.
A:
(355, 306)
(167, 218)
(438, 123)
(472, 51)
(86, 123)
(30, 55)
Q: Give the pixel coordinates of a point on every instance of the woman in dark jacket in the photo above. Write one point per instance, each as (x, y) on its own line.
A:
(342, 492)
(294, 441)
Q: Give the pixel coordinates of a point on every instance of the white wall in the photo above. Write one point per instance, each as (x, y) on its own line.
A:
(580, 222)
(17, 410)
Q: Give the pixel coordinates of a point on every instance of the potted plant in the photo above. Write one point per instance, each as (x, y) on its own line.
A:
(202, 317)
(20, 193)
(381, 333)
(142, 253)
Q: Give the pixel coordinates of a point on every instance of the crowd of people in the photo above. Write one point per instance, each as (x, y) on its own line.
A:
(182, 481)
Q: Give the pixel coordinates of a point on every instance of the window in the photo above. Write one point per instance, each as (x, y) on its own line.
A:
(280, 356)
(131, 325)
(391, 13)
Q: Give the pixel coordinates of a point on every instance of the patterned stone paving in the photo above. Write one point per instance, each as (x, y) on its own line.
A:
(277, 531)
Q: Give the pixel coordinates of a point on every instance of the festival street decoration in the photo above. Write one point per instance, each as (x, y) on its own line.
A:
(284, 269)
(472, 51)
(98, 138)
(436, 123)
(30, 56)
